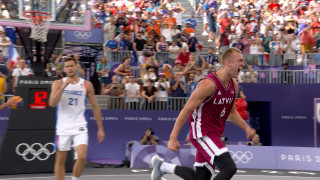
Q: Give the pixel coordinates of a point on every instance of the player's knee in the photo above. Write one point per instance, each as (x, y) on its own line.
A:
(231, 168)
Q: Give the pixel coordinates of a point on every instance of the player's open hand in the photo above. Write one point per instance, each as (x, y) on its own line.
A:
(250, 133)
(173, 145)
(100, 135)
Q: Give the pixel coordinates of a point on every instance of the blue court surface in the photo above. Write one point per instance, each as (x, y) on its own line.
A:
(144, 174)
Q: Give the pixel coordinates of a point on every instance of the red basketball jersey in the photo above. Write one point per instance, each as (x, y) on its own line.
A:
(211, 115)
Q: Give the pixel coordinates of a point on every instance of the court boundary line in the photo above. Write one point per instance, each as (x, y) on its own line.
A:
(125, 175)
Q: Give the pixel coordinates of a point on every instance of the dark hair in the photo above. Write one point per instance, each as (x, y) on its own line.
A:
(124, 59)
(69, 59)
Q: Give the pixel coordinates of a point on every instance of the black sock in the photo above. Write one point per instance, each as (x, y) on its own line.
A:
(185, 173)
(226, 166)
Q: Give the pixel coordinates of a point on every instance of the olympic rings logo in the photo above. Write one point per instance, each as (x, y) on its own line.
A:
(42, 153)
(242, 157)
(82, 34)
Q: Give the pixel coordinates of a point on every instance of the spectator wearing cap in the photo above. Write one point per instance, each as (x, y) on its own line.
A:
(192, 43)
(290, 28)
(5, 43)
(183, 56)
(163, 90)
(177, 67)
(132, 89)
(149, 93)
(191, 20)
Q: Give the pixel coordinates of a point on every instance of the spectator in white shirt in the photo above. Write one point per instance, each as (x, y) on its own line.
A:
(22, 70)
(4, 43)
(132, 94)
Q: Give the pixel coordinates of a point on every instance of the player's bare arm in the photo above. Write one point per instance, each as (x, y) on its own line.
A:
(96, 111)
(204, 90)
(57, 89)
(238, 120)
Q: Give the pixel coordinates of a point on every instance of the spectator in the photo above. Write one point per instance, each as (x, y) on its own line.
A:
(5, 42)
(175, 32)
(266, 41)
(108, 29)
(3, 67)
(110, 47)
(149, 93)
(242, 105)
(149, 138)
(192, 20)
(255, 141)
(132, 94)
(306, 41)
(150, 74)
(116, 91)
(123, 69)
(163, 90)
(152, 63)
(192, 43)
(22, 70)
(150, 45)
(191, 84)
(174, 51)
(169, 20)
(212, 21)
(167, 69)
(162, 46)
(178, 12)
(286, 75)
(139, 46)
(81, 69)
(316, 36)
(276, 49)
(188, 28)
(103, 70)
(183, 56)
(177, 90)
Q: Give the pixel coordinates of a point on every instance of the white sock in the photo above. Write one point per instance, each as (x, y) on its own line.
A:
(167, 168)
(74, 178)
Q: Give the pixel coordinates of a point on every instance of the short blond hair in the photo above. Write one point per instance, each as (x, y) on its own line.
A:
(227, 53)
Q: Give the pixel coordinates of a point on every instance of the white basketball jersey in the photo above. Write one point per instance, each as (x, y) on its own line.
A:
(71, 117)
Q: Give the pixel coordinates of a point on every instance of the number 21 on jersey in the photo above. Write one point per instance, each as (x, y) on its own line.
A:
(73, 101)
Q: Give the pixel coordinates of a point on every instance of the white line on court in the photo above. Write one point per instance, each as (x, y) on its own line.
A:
(143, 175)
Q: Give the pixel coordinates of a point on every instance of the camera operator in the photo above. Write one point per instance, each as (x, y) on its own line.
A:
(149, 138)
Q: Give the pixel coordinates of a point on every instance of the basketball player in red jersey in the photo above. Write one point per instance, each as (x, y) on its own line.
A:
(208, 108)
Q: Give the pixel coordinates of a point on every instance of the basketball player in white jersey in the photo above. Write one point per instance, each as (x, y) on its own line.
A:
(69, 95)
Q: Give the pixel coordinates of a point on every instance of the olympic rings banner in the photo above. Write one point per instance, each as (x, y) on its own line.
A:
(252, 157)
(93, 36)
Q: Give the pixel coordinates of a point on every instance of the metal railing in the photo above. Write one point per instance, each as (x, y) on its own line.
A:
(118, 103)
(309, 76)
(22, 53)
